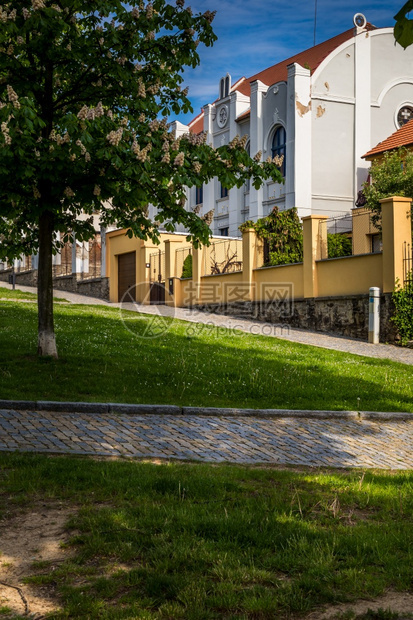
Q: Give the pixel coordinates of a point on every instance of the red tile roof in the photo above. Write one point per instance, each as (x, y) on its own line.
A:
(197, 124)
(401, 137)
(310, 58)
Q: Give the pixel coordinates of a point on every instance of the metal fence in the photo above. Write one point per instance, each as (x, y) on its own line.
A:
(350, 234)
(88, 259)
(223, 257)
(64, 267)
(180, 257)
(23, 264)
(91, 258)
(157, 266)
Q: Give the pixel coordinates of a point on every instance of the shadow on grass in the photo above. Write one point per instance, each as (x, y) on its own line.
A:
(236, 544)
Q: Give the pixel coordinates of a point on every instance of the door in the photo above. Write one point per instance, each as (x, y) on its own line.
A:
(127, 277)
(157, 277)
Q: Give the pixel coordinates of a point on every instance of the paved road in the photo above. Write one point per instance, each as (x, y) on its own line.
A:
(243, 440)
(317, 339)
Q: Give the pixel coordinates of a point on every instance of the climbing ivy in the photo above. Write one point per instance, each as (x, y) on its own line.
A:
(403, 315)
(282, 232)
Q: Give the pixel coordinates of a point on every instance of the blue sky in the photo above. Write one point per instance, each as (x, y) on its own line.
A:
(255, 34)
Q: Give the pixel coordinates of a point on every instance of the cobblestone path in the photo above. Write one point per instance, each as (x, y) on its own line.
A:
(303, 441)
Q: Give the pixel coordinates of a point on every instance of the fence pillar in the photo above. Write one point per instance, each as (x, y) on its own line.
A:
(144, 290)
(197, 257)
(103, 252)
(74, 256)
(170, 269)
(396, 231)
(250, 253)
(314, 244)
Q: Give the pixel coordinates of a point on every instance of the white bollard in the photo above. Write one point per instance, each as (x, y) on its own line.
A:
(374, 315)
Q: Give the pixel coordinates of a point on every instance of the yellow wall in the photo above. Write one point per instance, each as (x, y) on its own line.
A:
(351, 275)
(185, 292)
(363, 229)
(118, 243)
(281, 280)
(224, 287)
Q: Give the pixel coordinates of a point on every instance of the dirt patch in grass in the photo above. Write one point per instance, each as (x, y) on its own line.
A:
(30, 544)
(397, 602)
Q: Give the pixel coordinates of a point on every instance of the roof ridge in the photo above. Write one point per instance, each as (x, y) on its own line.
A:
(312, 56)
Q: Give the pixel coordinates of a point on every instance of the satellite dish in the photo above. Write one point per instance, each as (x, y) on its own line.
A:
(359, 20)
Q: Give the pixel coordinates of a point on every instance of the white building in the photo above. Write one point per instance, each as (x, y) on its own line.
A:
(323, 109)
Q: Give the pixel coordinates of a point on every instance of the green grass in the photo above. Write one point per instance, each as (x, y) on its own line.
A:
(101, 360)
(6, 293)
(9, 294)
(202, 542)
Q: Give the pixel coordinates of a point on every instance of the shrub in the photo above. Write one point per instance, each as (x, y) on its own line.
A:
(282, 232)
(339, 245)
(187, 267)
(403, 316)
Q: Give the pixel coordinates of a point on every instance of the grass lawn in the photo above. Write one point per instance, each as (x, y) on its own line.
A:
(201, 542)
(101, 360)
(9, 294)
(6, 293)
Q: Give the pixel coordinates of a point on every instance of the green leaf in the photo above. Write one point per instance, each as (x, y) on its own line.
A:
(403, 32)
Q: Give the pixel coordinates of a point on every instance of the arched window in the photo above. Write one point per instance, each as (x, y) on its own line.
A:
(278, 146)
(199, 195)
(222, 88)
(225, 86)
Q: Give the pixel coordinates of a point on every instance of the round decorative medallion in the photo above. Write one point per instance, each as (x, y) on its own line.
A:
(404, 115)
(222, 116)
(359, 20)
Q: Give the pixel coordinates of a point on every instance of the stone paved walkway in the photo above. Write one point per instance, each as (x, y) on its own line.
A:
(316, 339)
(243, 440)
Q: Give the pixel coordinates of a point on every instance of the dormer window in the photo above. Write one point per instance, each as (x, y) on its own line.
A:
(225, 86)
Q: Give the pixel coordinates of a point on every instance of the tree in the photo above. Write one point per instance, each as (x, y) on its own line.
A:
(85, 89)
(391, 176)
(403, 29)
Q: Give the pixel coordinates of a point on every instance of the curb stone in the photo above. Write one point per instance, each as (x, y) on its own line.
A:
(18, 404)
(268, 413)
(131, 409)
(144, 409)
(64, 407)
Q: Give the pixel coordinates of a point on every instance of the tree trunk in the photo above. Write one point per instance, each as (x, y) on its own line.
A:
(46, 335)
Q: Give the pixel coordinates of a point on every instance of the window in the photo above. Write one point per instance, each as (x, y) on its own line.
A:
(224, 231)
(199, 195)
(224, 191)
(278, 146)
(224, 86)
(404, 115)
(376, 243)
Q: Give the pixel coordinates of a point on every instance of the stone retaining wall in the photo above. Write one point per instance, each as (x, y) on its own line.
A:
(344, 316)
(93, 287)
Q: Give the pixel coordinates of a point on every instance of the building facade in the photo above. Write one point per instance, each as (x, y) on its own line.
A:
(323, 109)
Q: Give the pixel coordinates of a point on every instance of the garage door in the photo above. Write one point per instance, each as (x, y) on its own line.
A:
(126, 276)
